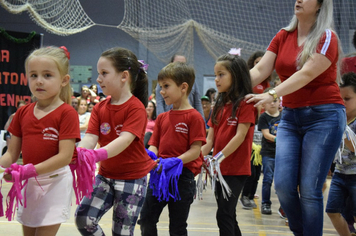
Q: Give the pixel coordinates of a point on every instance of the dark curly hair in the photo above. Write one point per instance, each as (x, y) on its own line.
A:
(253, 57)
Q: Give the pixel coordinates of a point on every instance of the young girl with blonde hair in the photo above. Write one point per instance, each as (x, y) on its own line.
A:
(45, 132)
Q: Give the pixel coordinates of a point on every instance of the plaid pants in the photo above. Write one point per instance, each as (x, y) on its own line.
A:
(127, 198)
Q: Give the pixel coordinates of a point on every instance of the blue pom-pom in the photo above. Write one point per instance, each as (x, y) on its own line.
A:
(164, 183)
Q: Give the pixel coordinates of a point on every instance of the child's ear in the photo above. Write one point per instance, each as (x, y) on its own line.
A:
(185, 87)
(65, 80)
(125, 75)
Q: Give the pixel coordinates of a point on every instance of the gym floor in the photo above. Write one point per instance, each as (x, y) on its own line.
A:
(201, 220)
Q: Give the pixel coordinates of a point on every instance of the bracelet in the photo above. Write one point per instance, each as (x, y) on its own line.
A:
(275, 139)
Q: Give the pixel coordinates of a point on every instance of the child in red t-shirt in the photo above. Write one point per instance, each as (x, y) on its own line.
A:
(231, 135)
(118, 124)
(45, 132)
(178, 133)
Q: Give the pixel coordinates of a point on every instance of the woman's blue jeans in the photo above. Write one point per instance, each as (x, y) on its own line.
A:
(307, 141)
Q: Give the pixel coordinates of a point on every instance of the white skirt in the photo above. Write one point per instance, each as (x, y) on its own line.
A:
(48, 203)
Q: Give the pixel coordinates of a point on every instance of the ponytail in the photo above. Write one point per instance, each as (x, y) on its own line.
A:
(139, 88)
(123, 59)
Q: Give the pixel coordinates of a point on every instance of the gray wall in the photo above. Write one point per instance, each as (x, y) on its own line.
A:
(86, 47)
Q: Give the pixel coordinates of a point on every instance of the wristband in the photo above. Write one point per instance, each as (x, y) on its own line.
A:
(275, 139)
(219, 157)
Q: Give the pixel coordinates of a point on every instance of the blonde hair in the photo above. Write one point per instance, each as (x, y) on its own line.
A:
(324, 21)
(60, 58)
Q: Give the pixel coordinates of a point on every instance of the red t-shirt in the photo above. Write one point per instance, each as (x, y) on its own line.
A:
(259, 88)
(323, 89)
(238, 162)
(107, 122)
(348, 65)
(175, 131)
(40, 138)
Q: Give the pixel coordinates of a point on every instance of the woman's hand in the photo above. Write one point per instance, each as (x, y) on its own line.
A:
(258, 99)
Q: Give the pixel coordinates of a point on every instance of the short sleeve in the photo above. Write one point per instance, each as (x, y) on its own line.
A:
(328, 45)
(246, 113)
(69, 127)
(262, 122)
(274, 44)
(136, 121)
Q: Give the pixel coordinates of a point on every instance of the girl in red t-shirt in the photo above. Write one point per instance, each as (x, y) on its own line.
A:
(118, 125)
(45, 132)
(230, 134)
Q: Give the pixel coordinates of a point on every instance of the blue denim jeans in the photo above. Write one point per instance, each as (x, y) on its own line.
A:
(268, 164)
(342, 188)
(307, 141)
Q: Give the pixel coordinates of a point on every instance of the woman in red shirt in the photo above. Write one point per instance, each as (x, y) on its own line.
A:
(305, 55)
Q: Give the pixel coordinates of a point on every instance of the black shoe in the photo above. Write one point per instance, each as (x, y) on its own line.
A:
(246, 204)
(266, 209)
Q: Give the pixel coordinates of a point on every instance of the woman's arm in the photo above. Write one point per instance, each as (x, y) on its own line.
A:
(314, 66)
(235, 142)
(63, 158)
(12, 153)
(263, 69)
(209, 142)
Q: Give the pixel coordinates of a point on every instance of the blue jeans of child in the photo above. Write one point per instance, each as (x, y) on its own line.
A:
(307, 141)
(342, 188)
(268, 164)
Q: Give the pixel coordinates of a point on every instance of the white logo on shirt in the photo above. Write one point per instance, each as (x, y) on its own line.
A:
(182, 128)
(118, 129)
(232, 121)
(50, 133)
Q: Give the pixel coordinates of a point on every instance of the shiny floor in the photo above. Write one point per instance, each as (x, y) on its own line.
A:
(201, 219)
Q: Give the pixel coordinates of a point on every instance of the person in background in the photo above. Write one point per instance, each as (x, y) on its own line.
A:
(84, 116)
(151, 120)
(349, 62)
(93, 89)
(194, 96)
(20, 103)
(45, 131)
(206, 104)
(249, 190)
(90, 106)
(268, 125)
(251, 62)
(211, 94)
(343, 183)
(75, 103)
(349, 65)
(84, 94)
(306, 56)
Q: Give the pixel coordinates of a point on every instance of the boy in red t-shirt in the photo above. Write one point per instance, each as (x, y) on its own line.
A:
(178, 133)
